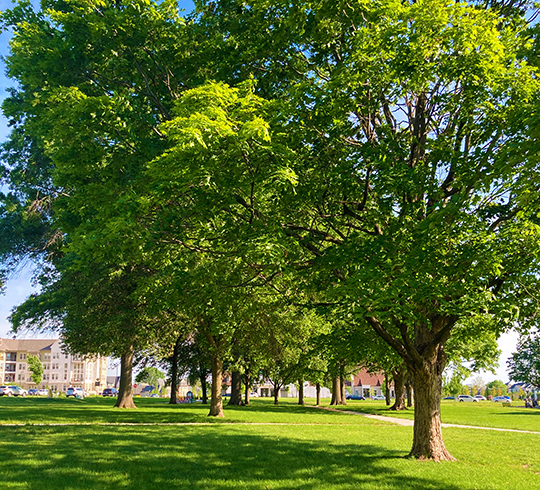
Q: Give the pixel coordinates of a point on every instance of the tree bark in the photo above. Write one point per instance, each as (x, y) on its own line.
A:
(428, 441)
(410, 395)
(336, 391)
(236, 389)
(125, 390)
(216, 402)
(387, 390)
(399, 388)
(202, 377)
(174, 374)
(301, 392)
(247, 389)
(318, 386)
(276, 393)
(425, 361)
(342, 389)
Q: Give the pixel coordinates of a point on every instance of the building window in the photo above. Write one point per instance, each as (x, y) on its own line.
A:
(22, 356)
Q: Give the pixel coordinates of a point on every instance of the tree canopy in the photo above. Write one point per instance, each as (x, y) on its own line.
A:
(378, 160)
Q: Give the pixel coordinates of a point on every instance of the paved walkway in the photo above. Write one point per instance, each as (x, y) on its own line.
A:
(410, 423)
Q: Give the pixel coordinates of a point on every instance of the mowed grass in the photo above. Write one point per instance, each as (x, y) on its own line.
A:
(481, 414)
(256, 447)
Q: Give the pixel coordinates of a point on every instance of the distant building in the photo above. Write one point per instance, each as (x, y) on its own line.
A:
(60, 370)
(527, 388)
(368, 384)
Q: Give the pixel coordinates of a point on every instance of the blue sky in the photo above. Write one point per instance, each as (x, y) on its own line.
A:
(20, 286)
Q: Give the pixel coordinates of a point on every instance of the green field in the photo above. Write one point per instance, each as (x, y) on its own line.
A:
(256, 447)
(483, 414)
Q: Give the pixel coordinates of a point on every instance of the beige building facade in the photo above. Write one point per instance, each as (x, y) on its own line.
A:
(60, 371)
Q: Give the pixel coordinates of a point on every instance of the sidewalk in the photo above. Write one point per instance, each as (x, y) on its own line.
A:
(410, 423)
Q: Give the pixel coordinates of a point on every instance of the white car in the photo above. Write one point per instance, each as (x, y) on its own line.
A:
(42, 392)
(466, 398)
(6, 391)
(18, 391)
(75, 392)
(480, 398)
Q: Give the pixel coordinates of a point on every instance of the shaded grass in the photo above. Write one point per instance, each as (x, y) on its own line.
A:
(93, 410)
(256, 457)
(313, 449)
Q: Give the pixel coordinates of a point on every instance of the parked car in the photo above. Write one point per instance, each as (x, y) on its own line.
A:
(43, 392)
(480, 398)
(110, 392)
(449, 398)
(378, 397)
(6, 391)
(18, 391)
(354, 397)
(32, 391)
(75, 392)
(466, 398)
(504, 399)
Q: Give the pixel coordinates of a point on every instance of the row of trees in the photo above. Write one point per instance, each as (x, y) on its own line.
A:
(276, 180)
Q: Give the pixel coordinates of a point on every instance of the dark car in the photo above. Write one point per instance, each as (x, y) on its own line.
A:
(354, 397)
(110, 392)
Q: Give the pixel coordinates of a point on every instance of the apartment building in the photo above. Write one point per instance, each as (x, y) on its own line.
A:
(61, 370)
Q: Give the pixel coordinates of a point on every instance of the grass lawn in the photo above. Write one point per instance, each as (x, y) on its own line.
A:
(482, 414)
(257, 447)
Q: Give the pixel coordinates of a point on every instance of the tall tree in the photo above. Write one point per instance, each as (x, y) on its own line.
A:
(93, 83)
(36, 369)
(524, 364)
(408, 192)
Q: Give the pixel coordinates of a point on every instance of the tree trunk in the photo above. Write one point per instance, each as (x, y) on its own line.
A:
(174, 374)
(247, 389)
(276, 393)
(399, 388)
(428, 441)
(300, 392)
(125, 390)
(318, 386)
(202, 377)
(236, 389)
(387, 389)
(409, 391)
(342, 389)
(426, 361)
(216, 402)
(336, 391)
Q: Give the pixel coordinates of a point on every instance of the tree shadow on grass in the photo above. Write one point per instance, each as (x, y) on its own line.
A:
(205, 458)
(155, 411)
